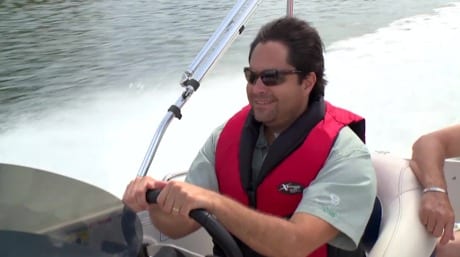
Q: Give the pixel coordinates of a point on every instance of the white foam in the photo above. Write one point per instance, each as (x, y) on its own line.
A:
(404, 78)
(104, 142)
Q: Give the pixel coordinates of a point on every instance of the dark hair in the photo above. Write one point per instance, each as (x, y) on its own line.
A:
(304, 46)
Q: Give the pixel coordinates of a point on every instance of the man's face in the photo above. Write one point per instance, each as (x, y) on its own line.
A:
(277, 106)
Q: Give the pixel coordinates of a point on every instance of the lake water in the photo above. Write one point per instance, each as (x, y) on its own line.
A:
(84, 84)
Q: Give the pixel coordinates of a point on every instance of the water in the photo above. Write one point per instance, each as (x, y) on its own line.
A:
(84, 85)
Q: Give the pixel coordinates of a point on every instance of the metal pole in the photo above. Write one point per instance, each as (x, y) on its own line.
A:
(226, 33)
(230, 28)
(290, 8)
(215, 36)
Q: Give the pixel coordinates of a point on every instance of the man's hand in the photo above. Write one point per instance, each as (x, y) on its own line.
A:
(436, 212)
(135, 193)
(179, 198)
(437, 215)
(175, 198)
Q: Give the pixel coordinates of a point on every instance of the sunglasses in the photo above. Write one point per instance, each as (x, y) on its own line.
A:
(272, 77)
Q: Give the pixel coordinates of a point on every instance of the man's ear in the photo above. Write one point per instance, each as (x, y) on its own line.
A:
(309, 81)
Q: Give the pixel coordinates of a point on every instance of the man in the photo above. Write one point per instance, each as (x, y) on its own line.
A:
(286, 175)
(428, 155)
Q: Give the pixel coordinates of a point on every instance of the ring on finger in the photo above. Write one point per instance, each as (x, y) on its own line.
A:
(175, 210)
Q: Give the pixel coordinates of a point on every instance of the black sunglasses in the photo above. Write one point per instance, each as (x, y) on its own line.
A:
(270, 77)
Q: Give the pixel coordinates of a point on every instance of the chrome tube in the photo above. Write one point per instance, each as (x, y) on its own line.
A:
(153, 147)
(225, 34)
(215, 36)
(290, 8)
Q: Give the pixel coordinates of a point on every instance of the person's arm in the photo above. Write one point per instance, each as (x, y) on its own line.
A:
(173, 226)
(259, 231)
(344, 191)
(274, 236)
(349, 208)
(201, 173)
(268, 235)
(428, 155)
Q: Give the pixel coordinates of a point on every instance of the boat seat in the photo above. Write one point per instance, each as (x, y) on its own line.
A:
(400, 234)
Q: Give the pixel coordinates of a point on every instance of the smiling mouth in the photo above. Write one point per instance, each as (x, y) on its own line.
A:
(263, 101)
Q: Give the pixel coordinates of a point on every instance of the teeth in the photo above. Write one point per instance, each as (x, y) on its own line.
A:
(266, 101)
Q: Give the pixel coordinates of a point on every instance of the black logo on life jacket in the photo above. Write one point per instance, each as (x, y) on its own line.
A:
(290, 188)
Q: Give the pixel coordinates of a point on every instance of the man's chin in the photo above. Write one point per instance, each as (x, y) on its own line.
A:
(262, 117)
(263, 113)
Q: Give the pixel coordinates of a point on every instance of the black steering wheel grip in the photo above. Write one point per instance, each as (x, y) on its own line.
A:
(215, 229)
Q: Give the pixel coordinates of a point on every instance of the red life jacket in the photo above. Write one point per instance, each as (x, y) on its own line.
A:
(292, 163)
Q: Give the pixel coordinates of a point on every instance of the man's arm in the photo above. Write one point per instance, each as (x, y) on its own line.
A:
(428, 155)
(269, 235)
(274, 236)
(344, 191)
(348, 175)
(165, 220)
(201, 173)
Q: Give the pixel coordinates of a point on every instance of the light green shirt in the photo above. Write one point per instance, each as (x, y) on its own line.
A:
(342, 194)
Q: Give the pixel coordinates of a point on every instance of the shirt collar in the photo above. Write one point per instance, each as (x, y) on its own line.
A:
(261, 140)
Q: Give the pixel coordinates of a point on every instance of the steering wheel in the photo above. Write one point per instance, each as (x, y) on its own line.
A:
(215, 229)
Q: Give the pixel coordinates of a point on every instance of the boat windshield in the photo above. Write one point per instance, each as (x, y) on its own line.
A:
(45, 214)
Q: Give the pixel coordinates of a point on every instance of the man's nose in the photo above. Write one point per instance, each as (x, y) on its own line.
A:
(259, 86)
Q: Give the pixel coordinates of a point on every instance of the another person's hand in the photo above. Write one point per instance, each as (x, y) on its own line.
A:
(437, 214)
(135, 193)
